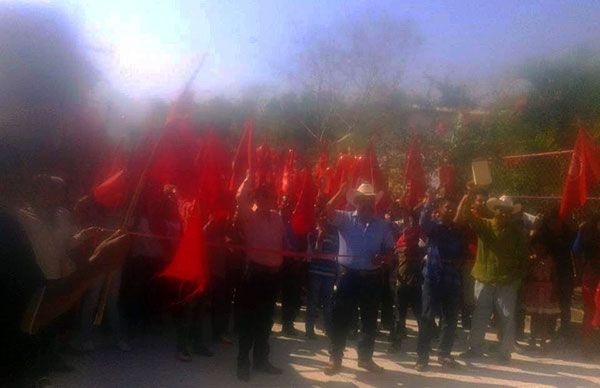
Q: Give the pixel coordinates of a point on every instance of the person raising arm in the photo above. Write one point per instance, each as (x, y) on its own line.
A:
(31, 302)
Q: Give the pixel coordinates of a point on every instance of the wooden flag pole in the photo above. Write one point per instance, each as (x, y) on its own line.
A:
(128, 217)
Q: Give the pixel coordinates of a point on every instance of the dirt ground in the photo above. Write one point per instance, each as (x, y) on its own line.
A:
(151, 363)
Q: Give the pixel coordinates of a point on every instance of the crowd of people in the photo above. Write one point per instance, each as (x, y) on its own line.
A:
(478, 260)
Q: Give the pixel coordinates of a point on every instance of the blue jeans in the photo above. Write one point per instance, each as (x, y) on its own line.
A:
(442, 301)
(504, 299)
(320, 294)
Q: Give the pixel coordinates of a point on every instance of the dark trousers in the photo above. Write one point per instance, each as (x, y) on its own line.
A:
(442, 301)
(320, 295)
(356, 289)
(222, 299)
(235, 277)
(520, 315)
(143, 296)
(192, 323)
(406, 296)
(387, 301)
(565, 296)
(292, 278)
(256, 298)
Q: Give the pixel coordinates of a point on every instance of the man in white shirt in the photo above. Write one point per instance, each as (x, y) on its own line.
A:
(48, 227)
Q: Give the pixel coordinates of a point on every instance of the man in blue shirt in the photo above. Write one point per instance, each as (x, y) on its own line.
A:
(364, 240)
(446, 251)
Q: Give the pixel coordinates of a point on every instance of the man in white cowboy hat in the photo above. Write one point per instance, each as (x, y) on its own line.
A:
(527, 220)
(364, 241)
(500, 266)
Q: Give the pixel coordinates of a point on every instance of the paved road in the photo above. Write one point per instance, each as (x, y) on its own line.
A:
(152, 364)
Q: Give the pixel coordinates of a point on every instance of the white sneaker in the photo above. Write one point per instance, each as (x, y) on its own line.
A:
(123, 346)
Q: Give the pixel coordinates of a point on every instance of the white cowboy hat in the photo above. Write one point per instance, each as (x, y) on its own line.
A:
(365, 189)
(505, 202)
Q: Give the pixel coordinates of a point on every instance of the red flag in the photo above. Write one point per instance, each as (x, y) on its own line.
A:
(410, 237)
(215, 170)
(174, 159)
(288, 178)
(244, 156)
(414, 176)
(330, 183)
(113, 186)
(367, 169)
(264, 174)
(447, 177)
(584, 173)
(190, 262)
(321, 169)
(303, 216)
(113, 191)
(596, 318)
(345, 169)
(278, 162)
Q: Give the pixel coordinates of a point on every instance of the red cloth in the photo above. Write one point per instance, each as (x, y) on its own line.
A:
(190, 263)
(596, 320)
(345, 170)
(244, 156)
(367, 169)
(288, 177)
(303, 216)
(264, 173)
(214, 171)
(113, 192)
(410, 237)
(591, 308)
(414, 176)
(322, 170)
(447, 177)
(174, 158)
(113, 187)
(584, 173)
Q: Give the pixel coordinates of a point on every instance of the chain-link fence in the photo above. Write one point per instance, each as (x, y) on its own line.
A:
(535, 180)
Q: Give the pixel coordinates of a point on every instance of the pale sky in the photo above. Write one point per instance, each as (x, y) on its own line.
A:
(154, 45)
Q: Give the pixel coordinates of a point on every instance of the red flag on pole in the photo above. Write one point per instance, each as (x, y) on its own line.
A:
(414, 176)
(244, 156)
(345, 169)
(264, 169)
(303, 216)
(190, 263)
(368, 169)
(288, 178)
(113, 191)
(321, 169)
(174, 158)
(583, 175)
(214, 172)
(112, 187)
